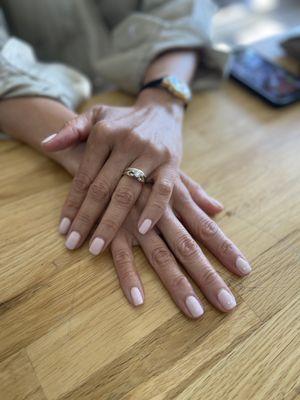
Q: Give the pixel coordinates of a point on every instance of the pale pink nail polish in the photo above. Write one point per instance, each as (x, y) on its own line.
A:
(72, 240)
(243, 265)
(96, 246)
(49, 138)
(136, 296)
(64, 226)
(226, 299)
(145, 226)
(194, 306)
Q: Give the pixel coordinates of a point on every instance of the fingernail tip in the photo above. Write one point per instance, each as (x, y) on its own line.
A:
(227, 300)
(243, 266)
(64, 226)
(72, 240)
(194, 306)
(96, 246)
(145, 226)
(136, 296)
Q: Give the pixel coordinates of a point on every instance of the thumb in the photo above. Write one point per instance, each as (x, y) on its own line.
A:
(74, 131)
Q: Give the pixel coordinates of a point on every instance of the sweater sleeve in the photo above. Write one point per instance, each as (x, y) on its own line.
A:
(21, 74)
(158, 26)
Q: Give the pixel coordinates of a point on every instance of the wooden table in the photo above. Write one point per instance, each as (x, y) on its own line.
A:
(67, 332)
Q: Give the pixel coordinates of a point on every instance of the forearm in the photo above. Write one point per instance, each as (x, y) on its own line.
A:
(181, 63)
(31, 119)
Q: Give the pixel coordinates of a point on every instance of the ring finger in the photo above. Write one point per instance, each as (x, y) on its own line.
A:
(122, 201)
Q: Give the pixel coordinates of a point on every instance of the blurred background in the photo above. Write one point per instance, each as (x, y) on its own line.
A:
(264, 24)
(249, 20)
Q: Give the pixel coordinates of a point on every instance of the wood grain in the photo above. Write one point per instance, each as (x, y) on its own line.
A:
(66, 331)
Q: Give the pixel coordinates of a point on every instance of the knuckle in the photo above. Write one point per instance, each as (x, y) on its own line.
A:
(109, 225)
(71, 204)
(207, 228)
(100, 131)
(183, 195)
(130, 140)
(98, 111)
(164, 188)
(124, 197)
(210, 277)
(179, 283)
(99, 191)
(81, 182)
(133, 134)
(161, 257)
(84, 219)
(226, 247)
(158, 207)
(152, 149)
(187, 246)
(126, 274)
(103, 126)
(122, 258)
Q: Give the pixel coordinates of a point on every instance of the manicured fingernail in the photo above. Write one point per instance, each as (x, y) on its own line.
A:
(216, 203)
(145, 226)
(64, 226)
(226, 299)
(243, 265)
(136, 296)
(73, 240)
(49, 138)
(96, 246)
(194, 306)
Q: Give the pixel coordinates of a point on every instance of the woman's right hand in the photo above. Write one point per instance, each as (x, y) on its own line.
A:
(184, 222)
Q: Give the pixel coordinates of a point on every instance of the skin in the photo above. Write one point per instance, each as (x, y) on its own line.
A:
(184, 222)
(146, 136)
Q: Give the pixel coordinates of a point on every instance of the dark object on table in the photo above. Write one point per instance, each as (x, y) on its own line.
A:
(271, 82)
(292, 47)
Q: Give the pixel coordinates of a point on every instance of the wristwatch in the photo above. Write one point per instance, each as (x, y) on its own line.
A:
(173, 85)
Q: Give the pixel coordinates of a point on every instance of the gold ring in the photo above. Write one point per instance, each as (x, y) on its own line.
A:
(135, 173)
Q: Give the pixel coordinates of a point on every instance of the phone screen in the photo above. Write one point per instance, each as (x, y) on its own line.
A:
(268, 79)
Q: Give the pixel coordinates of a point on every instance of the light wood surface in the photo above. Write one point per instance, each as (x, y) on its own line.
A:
(67, 332)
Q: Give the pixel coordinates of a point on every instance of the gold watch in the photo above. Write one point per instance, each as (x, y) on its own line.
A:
(173, 85)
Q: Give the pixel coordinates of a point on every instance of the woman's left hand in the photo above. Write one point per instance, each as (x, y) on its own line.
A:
(186, 219)
(146, 136)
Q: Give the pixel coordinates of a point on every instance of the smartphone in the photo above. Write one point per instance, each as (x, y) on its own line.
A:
(271, 82)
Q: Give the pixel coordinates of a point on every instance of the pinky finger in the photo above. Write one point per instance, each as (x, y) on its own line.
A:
(121, 249)
(208, 204)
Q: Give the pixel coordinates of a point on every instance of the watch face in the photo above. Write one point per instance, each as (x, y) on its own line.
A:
(177, 87)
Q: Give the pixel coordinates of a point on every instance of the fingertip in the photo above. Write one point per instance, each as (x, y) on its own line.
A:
(226, 300)
(194, 307)
(243, 266)
(136, 296)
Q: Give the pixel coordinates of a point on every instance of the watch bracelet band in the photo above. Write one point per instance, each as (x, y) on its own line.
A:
(157, 85)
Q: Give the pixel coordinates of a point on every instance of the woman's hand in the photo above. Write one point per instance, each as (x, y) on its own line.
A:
(174, 239)
(185, 221)
(146, 136)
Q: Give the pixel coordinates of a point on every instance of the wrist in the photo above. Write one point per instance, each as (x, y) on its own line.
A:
(161, 98)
